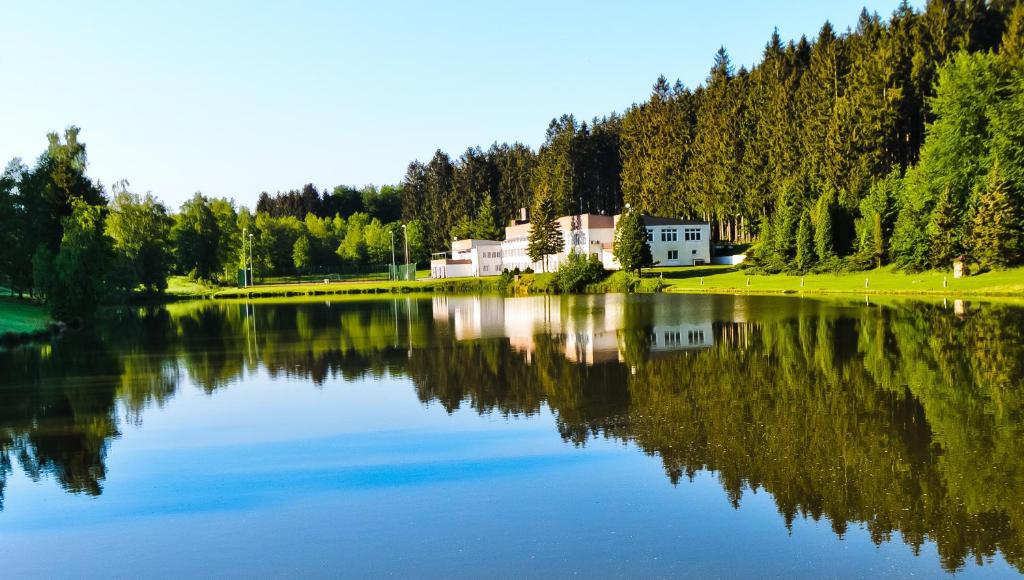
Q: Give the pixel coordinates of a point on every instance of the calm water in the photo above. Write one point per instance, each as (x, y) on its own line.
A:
(600, 436)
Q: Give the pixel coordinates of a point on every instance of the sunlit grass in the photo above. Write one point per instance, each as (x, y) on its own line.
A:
(21, 316)
(885, 280)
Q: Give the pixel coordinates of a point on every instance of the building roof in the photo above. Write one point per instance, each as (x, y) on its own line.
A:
(651, 220)
(469, 243)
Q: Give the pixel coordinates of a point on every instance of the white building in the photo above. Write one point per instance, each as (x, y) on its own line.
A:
(587, 234)
(468, 258)
(673, 242)
(676, 242)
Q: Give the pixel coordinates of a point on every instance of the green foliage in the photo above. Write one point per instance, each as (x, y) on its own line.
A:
(997, 229)
(418, 251)
(878, 211)
(195, 238)
(805, 249)
(630, 247)
(140, 230)
(944, 232)
(14, 260)
(545, 235)
(302, 254)
(482, 226)
(75, 286)
(578, 271)
(822, 219)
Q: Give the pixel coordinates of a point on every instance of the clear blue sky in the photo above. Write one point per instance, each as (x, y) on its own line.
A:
(233, 98)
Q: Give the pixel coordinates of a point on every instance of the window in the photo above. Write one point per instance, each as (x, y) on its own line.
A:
(673, 338)
(691, 234)
(669, 235)
(695, 337)
(673, 254)
(650, 234)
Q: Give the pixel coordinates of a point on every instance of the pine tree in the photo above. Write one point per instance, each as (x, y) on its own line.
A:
(485, 226)
(805, 243)
(944, 231)
(631, 249)
(824, 234)
(996, 230)
(1013, 38)
(545, 235)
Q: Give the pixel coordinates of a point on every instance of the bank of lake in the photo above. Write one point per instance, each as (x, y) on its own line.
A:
(686, 280)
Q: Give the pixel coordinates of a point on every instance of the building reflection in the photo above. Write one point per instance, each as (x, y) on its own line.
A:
(590, 329)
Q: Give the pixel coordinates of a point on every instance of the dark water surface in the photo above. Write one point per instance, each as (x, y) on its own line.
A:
(601, 436)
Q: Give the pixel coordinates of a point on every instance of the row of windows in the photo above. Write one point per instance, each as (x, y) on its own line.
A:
(672, 234)
(675, 338)
(492, 254)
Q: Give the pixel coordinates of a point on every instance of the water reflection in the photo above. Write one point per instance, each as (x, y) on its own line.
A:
(905, 419)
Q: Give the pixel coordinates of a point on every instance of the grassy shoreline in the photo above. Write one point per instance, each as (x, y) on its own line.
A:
(22, 320)
(680, 280)
(883, 281)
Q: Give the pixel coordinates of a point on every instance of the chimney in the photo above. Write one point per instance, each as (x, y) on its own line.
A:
(524, 215)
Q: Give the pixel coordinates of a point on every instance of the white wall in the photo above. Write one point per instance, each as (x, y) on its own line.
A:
(686, 251)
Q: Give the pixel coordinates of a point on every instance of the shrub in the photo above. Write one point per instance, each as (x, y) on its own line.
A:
(577, 271)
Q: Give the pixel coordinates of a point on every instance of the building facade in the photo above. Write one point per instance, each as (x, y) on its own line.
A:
(673, 242)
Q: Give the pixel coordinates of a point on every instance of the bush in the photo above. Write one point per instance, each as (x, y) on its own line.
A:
(577, 271)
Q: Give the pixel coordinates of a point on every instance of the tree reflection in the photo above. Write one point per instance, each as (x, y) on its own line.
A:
(906, 419)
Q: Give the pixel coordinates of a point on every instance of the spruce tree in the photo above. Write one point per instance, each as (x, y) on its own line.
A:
(631, 249)
(485, 226)
(996, 236)
(824, 237)
(944, 232)
(545, 235)
(805, 243)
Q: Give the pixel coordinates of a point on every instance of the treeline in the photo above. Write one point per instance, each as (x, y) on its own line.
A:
(69, 243)
(895, 142)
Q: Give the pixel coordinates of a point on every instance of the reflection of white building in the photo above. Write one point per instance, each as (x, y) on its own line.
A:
(673, 242)
(587, 329)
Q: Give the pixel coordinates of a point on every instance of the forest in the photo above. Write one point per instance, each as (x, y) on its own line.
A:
(896, 142)
(900, 141)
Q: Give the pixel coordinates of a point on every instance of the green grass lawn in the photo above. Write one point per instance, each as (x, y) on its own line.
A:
(21, 316)
(882, 281)
(185, 287)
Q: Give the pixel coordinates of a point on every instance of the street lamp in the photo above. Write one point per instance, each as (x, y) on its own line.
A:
(393, 271)
(245, 270)
(405, 234)
(251, 272)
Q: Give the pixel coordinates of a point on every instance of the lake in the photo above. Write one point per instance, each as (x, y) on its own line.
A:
(599, 436)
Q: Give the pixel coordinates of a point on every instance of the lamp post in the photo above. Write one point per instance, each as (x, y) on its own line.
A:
(252, 274)
(245, 270)
(405, 234)
(393, 272)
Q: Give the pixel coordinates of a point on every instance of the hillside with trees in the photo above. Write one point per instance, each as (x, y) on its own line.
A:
(848, 150)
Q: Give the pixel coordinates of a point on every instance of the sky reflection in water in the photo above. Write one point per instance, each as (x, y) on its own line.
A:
(600, 435)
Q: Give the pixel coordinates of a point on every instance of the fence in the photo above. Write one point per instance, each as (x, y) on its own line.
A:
(402, 272)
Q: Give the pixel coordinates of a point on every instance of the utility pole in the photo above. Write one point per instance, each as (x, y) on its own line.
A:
(405, 234)
(245, 269)
(393, 271)
(252, 273)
